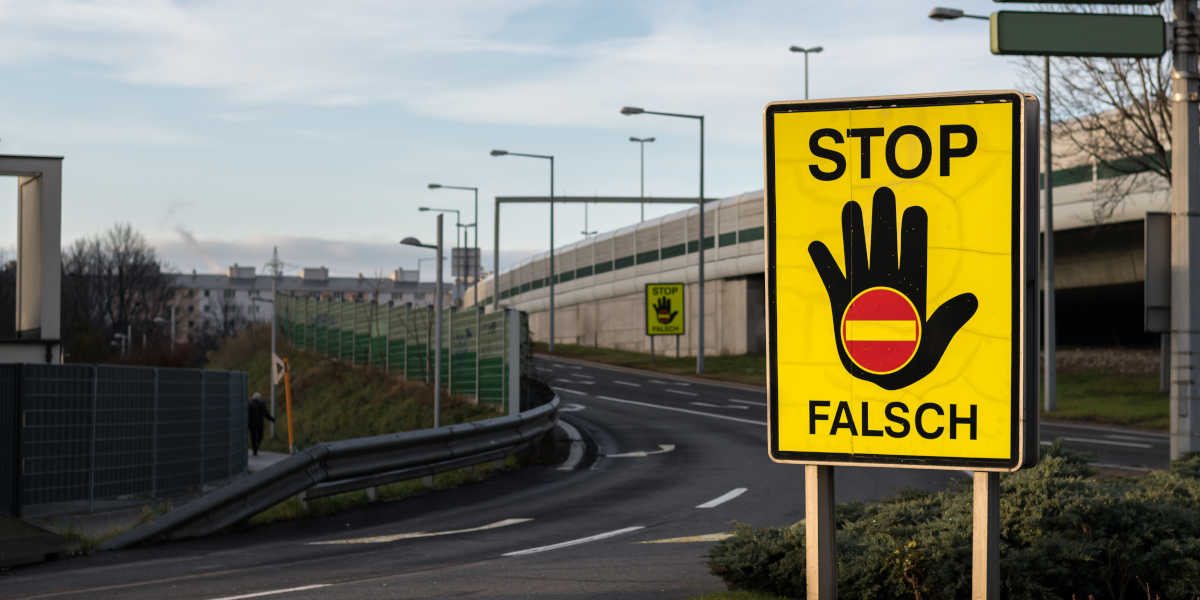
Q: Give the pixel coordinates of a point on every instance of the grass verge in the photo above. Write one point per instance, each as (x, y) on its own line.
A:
(1089, 396)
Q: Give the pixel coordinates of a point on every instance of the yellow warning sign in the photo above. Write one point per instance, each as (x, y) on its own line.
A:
(899, 270)
(664, 309)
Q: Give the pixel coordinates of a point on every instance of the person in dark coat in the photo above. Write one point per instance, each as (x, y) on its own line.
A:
(254, 420)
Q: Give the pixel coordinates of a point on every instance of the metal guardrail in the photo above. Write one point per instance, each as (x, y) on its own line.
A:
(337, 467)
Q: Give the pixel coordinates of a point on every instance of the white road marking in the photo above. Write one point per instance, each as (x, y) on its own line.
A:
(748, 402)
(576, 367)
(683, 383)
(736, 406)
(575, 381)
(704, 404)
(1133, 438)
(662, 449)
(1120, 467)
(691, 539)
(682, 410)
(571, 407)
(1106, 442)
(383, 539)
(683, 392)
(575, 542)
(658, 381)
(569, 391)
(273, 592)
(628, 383)
(723, 498)
(575, 455)
(585, 375)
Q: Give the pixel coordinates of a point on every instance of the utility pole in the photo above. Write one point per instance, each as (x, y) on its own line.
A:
(276, 267)
(1185, 234)
(1048, 320)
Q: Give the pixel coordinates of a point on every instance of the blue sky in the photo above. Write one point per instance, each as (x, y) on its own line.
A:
(222, 128)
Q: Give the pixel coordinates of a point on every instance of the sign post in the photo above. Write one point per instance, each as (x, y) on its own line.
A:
(901, 296)
(665, 313)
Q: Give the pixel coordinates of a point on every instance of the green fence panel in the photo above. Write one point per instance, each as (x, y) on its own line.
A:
(396, 336)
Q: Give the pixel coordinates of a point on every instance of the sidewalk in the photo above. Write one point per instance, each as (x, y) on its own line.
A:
(34, 537)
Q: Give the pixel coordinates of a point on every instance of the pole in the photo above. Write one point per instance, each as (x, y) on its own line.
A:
(274, 318)
(287, 395)
(478, 309)
(642, 178)
(985, 537)
(700, 354)
(806, 74)
(551, 254)
(1048, 259)
(437, 352)
(1185, 247)
(172, 329)
(496, 256)
(820, 544)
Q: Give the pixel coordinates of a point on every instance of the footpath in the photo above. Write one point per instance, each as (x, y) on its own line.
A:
(41, 535)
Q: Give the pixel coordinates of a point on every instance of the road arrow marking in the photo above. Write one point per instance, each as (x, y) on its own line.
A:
(383, 539)
(662, 449)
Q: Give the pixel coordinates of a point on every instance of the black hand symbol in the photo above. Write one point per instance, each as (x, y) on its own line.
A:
(662, 309)
(908, 278)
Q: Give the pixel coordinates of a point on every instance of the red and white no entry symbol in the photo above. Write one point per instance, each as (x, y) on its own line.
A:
(881, 330)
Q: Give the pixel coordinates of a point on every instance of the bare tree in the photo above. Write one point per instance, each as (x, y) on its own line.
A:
(1113, 113)
(111, 282)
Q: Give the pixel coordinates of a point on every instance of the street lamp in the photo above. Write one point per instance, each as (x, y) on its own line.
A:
(942, 13)
(496, 292)
(437, 350)
(459, 228)
(806, 51)
(475, 273)
(641, 142)
(635, 110)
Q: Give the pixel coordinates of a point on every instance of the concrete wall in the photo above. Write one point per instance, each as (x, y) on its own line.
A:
(734, 322)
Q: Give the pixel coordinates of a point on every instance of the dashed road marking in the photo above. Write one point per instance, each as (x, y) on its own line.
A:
(383, 539)
(723, 498)
(628, 383)
(683, 392)
(1106, 442)
(692, 539)
(576, 542)
(273, 592)
(748, 402)
(682, 410)
(704, 404)
(570, 391)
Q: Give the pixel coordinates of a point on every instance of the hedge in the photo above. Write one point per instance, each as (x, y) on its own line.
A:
(1064, 534)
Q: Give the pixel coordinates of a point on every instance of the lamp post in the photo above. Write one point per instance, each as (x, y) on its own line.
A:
(806, 51)
(437, 349)
(496, 292)
(475, 274)
(459, 228)
(634, 110)
(641, 142)
(942, 13)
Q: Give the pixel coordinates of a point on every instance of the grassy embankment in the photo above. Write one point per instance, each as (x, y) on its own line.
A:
(1107, 386)
(331, 401)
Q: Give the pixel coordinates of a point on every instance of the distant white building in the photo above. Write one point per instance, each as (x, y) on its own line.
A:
(241, 296)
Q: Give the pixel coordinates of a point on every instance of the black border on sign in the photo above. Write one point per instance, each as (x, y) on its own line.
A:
(683, 309)
(1016, 100)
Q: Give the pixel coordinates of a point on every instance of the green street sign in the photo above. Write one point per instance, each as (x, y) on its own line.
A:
(1075, 34)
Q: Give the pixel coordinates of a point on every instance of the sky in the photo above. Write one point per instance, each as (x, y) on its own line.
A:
(220, 129)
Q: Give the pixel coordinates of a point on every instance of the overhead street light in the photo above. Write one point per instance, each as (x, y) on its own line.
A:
(635, 110)
(942, 13)
(496, 292)
(806, 51)
(641, 142)
(437, 352)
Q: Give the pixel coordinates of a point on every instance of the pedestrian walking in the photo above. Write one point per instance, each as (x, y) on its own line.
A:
(257, 411)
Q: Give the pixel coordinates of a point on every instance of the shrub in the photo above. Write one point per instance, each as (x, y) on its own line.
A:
(1063, 535)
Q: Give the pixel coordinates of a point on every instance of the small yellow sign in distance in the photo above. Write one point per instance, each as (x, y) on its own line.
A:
(901, 259)
(665, 309)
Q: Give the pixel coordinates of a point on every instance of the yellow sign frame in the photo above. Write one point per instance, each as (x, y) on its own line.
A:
(818, 387)
(676, 326)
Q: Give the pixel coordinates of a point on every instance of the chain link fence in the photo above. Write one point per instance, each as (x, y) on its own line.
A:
(98, 434)
(479, 350)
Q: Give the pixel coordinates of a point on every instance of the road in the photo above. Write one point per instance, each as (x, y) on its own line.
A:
(670, 463)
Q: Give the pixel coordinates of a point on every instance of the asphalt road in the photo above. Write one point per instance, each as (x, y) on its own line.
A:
(669, 463)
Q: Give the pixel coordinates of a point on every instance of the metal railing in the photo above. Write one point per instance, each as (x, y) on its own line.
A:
(337, 467)
(79, 435)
